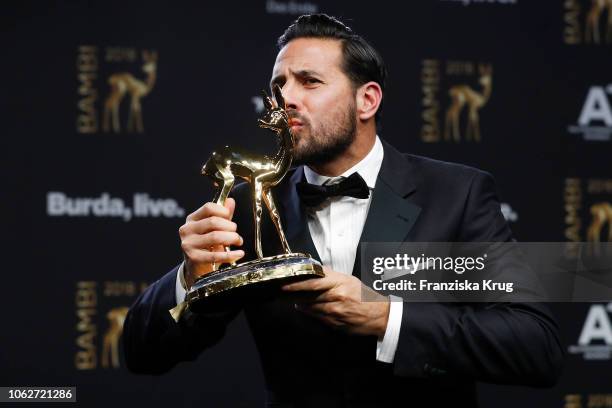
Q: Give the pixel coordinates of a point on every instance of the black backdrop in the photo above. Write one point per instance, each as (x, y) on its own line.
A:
(90, 215)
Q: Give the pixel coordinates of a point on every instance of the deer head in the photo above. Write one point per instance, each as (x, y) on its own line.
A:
(275, 117)
(150, 61)
(486, 74)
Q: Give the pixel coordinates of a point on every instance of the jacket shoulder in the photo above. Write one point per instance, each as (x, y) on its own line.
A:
(429, 167)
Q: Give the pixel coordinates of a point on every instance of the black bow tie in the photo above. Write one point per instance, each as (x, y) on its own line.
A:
(313, 195)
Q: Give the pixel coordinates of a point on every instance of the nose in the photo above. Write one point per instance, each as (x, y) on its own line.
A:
(291, 96)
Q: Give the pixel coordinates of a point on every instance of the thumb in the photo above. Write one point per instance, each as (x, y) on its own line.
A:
(230, 204)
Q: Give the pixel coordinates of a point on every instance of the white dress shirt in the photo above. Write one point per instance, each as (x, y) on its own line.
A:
(335, 228)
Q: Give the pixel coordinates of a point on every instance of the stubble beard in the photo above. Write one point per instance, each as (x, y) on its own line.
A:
(326, 142)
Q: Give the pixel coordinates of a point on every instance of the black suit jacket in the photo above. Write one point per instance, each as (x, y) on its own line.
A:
(443, 349)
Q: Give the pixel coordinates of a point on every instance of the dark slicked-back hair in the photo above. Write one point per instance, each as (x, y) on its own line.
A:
(361, 62)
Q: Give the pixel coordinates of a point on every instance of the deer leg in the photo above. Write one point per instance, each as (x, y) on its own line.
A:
(139, 123)
(609, 213)
(469, 130)
(130, 123)
(456, 132)
(223, 192)
(114, 352)
(106, 119)
(257, 195)
(116, 127)
(138, 115)
(593, 234)
(588, 31)
(274, 214)
(105, 351)
(447, 125)
(226, 182)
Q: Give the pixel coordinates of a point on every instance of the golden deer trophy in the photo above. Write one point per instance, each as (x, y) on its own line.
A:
(262, 275)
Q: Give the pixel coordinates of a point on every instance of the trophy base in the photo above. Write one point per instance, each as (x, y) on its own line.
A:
(250, 281)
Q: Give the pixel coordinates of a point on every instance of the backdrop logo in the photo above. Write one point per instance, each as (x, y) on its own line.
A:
(290, 7)
(110, 343)
(508, 212)
(106, 78)
(595, 119)
(587, 22)
(473, 2)
(101, 308)
(601, 219)
(595, 340)
(454, 94)
(588, 212)
(591, 400)
(143, 206)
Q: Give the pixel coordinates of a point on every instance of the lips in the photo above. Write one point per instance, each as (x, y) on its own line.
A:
(295, 122)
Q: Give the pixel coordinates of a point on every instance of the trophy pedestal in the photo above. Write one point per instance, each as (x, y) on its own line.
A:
(254, 280)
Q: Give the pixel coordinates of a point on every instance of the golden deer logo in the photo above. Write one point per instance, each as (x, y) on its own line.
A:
(601, 215)
(462, 95)
(593, 18)
(124, 82)
(110, 343)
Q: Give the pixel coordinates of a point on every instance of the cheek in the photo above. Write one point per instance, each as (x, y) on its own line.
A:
(324, 107)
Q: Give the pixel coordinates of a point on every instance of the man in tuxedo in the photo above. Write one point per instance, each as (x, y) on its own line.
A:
(320, 344)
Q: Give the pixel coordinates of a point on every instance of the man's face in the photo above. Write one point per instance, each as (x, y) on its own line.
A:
(319, 98)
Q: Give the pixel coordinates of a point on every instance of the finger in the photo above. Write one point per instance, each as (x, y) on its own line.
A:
(310, 285)
(306, 296)
(322, 308)
(209, 210)
(208, 240)
(202, 256)
(230, 204)
(309, 297)
(207, 225)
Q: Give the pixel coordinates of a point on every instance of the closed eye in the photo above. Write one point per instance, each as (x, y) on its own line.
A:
(311, 81)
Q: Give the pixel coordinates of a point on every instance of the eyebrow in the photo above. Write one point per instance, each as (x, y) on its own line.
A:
(301, 74)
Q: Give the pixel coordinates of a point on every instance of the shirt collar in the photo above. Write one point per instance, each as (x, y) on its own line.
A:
(367, 168)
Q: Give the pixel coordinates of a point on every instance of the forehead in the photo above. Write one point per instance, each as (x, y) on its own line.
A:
(309, 54)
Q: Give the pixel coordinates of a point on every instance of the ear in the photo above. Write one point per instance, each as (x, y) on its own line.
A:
(368, 99)
(278, 95)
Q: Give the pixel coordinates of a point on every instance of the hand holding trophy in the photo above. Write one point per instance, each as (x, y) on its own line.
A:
(230, 284)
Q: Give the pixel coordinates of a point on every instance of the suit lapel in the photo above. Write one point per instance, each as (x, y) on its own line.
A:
(293, 216)
(390, 217)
